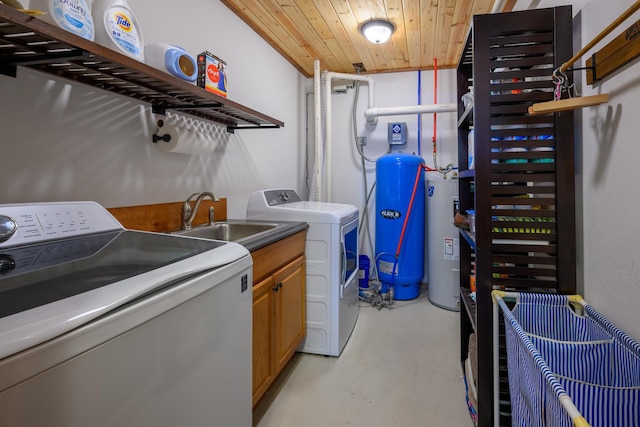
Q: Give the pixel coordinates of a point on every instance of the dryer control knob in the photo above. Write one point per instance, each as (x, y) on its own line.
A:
(284, 196)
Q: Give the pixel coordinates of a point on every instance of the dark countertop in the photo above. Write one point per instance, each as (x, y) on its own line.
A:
(259, 240)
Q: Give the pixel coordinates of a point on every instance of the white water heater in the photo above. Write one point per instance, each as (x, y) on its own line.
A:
(443, 238)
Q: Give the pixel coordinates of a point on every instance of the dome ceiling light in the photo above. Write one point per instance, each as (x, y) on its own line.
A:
(377, 30)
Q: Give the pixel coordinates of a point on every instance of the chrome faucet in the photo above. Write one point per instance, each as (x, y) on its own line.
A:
(189, 214)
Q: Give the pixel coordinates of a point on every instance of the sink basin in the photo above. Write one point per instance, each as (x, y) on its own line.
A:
(228, 231)
(252, 234)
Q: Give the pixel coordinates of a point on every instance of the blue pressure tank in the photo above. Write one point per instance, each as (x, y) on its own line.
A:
(395, 178)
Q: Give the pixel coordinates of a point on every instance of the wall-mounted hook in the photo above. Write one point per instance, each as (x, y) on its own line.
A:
(166, 137)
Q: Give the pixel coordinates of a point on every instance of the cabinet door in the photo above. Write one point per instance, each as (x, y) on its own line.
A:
(263, 327)
(290, 302)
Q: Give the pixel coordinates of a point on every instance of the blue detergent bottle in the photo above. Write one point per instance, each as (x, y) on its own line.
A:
(171, 59)
(71, 15)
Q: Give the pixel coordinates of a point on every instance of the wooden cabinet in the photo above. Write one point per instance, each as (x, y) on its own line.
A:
(279, 308)
(290, 319)
(522, 186)
(263, 337)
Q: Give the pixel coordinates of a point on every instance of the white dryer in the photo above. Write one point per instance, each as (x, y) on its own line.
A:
(331, 266)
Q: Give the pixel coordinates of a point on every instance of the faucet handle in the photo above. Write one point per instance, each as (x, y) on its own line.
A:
(186, 212)
(211, 215)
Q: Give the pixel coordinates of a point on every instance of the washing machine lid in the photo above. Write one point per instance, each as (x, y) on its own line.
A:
(49, 289)
(286, 205)
(37, 275)
(332, 213)
(63, 265)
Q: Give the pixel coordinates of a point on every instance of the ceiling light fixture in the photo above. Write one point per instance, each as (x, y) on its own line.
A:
(377, 30)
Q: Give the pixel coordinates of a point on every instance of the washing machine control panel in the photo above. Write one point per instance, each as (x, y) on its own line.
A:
(27, 224)
(281, 197)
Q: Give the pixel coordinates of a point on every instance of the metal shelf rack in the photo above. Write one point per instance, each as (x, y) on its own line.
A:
(30, 42)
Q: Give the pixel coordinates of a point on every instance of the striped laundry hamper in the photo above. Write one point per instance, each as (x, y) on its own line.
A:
(567, 364)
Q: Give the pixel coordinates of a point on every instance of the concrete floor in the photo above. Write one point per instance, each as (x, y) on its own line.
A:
(401, 367)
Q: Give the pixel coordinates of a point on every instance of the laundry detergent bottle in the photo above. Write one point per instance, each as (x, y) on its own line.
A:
(71, 15)
(117, 28)
(171, 59)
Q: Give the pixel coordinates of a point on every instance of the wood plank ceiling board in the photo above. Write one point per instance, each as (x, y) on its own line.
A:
(446, 9)
(332, 20)
(350, 24)
(303, 39)
(375, 9)
(257, 18)
(334, 41)
(329, 30)
(412, 32)
(429, 18)
(400, 50)
(509, 5)
(458, 33)
(303, 21)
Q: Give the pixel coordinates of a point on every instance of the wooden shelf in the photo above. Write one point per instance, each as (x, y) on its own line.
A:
(33, 43)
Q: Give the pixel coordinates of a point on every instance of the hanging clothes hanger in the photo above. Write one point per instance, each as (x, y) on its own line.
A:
(561, 81)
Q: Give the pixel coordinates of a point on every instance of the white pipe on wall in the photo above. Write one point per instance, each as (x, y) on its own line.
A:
(327, 133)
(317, 129)
(328, 77)
(374, 112)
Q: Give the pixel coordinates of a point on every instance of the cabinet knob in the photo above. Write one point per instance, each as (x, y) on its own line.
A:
(277, 287)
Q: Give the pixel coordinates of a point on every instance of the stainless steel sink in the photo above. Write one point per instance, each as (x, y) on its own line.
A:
(228, 231)
(252, 234)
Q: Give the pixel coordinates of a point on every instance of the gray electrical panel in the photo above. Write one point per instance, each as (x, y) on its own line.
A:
(397, 133)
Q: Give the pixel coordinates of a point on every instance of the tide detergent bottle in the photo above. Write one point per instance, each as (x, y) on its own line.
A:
(117, 28)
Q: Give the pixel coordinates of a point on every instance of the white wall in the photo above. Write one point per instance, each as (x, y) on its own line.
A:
(609, 156)
(606, 189)
(65, 141)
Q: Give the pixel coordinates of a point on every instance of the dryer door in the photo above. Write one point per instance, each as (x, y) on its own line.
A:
(349, 255)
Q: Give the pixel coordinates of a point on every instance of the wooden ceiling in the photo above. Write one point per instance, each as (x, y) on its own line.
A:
(328, 30)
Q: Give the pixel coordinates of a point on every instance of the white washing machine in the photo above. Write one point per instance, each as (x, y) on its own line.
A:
(331, 266)
(102, 326)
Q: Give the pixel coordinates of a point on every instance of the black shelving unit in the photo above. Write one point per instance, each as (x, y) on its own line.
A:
(523, 184)
(30, 42)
